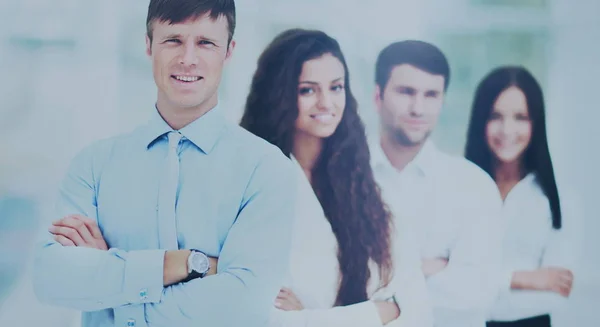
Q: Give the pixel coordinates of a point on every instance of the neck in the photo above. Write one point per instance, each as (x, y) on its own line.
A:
(399, 155)
(508, 172)
(307, 149)
(178, 117)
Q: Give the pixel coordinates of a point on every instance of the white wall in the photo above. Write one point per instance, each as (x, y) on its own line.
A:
(89, 79)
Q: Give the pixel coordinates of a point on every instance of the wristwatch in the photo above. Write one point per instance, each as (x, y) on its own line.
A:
(198, 264)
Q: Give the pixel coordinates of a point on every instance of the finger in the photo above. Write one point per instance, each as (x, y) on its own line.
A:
(286, 290)
(566, 285)
(565, 291)
(63, 240)
(92, 226)
(567, 275)
(566, 279)
(69, 233)
(285, 305)
(560, 289)
(296, 304)
(88, 229)
(79, 226)
(281, 304)
(283, 296)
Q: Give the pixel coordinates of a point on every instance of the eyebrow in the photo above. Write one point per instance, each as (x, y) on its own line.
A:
(315, 83)
(172, 36)
(178, 36)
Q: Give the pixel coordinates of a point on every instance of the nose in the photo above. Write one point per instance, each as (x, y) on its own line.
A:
(325, 101)
(189, 57)
(508, 127)
(417, 107)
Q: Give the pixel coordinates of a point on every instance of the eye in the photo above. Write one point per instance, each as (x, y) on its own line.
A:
(173, 41)
(495, 116)
(337, 88)
(406, 90)
(206, 42)
(432, 94)
(522, 117)
(306, 90)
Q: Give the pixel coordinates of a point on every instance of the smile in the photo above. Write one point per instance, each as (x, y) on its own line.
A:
(323, 118)
(187, 79)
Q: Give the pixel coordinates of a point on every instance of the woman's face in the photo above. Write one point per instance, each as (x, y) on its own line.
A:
(321, 96)
(508, 130)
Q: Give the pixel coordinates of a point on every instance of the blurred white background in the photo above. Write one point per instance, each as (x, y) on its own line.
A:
(75, 71)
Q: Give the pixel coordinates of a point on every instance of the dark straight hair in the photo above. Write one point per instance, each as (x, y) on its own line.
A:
(537, 155)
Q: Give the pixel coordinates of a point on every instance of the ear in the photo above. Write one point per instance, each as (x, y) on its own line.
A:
(230, 50)
(378, 102)
(148, 46)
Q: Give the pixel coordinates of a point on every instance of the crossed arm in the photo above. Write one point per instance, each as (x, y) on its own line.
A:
(94, 277)
(81, 231)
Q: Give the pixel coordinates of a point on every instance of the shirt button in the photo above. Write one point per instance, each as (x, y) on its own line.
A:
(143, 294)
(131, 323)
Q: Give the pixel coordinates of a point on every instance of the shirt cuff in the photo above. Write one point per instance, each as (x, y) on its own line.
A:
(368, 311)
(144, 273)
(506, 280)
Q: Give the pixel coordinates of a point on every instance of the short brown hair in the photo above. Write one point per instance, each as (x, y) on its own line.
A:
(178, 11)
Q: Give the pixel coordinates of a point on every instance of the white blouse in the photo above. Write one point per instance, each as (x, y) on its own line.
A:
(314, 275)
(530, 243)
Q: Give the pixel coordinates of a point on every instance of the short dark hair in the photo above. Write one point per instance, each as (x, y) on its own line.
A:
(537, 155)
(178, 11)
(422, 55)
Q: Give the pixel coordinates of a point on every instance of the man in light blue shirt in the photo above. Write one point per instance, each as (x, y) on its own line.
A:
(142, 216)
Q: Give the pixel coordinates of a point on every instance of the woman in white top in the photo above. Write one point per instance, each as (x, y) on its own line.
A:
(349, 266)
(507, 138)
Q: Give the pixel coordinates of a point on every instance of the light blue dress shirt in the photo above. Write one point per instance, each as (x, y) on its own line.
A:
(235, 201)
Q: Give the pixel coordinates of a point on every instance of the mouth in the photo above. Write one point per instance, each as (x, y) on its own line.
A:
(186, 78)
(323, 118)
(415, 123)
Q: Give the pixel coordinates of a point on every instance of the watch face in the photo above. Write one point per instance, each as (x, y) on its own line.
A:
(199, 262)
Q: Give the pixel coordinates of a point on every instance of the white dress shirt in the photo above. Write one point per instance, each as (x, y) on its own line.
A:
(531, 243)
(314, 275)
(453, 207)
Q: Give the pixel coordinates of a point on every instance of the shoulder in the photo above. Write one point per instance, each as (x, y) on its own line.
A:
(254, 149)
(467, 183)
(97, 153)
(466, 177)
(256, 161)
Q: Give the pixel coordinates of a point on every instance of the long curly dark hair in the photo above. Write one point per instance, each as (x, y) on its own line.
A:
(342, 177)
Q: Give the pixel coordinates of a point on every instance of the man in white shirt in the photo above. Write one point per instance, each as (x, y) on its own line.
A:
(451, 205)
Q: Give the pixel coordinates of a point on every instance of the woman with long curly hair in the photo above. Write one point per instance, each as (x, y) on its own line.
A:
(349, 264)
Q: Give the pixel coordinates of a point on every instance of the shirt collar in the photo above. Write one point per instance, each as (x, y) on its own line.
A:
(424, 162)
(203, 132)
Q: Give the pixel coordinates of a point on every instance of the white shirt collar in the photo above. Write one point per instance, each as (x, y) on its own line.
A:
(424, 162)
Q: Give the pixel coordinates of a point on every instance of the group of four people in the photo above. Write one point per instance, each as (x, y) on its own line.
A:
(295, 217)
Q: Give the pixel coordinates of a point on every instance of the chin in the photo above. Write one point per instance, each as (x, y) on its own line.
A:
(185, 103)
(417, 139)
(507, 157)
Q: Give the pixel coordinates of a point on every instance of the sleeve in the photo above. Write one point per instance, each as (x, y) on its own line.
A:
(312, 234)
(409, 284)
(252, 261)
(467, 287)
(362, 314)
(89, 279)
(564, 249)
